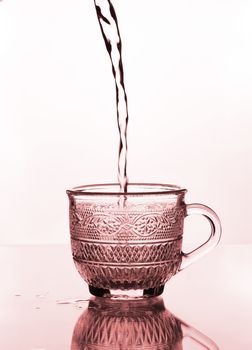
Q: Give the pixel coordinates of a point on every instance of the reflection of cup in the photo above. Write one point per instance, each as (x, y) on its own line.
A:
(133, 324)
(131, 244)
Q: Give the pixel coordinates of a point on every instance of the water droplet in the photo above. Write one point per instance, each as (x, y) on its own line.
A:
(42, 295)
(62, 302)
(79, 307)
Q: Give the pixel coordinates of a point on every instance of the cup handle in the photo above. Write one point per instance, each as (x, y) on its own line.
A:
(198, 337)
(213, 240)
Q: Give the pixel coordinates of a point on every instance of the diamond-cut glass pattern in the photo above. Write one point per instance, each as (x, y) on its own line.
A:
(127, 326)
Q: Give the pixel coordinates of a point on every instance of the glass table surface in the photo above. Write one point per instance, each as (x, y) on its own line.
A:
(44, 304)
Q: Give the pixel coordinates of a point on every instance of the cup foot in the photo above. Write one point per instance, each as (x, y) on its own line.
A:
(126, 294)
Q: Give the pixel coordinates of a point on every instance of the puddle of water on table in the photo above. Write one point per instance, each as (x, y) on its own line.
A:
(71, 301)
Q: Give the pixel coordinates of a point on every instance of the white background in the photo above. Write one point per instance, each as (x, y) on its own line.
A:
(188, 76)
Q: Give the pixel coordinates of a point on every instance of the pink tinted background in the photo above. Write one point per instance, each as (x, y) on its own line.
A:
(188, 74)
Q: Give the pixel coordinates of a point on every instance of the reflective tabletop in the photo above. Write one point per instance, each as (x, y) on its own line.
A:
(46, 305)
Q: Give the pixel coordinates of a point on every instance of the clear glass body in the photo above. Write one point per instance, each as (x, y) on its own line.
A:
(126, 325)
(128, 245)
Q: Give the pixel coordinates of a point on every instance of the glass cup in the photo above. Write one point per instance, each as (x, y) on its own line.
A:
(130, 325)
(128, 245)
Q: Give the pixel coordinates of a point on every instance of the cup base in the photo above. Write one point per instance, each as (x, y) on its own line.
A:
(126, 294)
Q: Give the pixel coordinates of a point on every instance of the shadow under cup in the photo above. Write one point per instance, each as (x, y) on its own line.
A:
(130, 244)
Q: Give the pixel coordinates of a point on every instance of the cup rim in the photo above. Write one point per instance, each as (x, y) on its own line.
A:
(103, 190)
